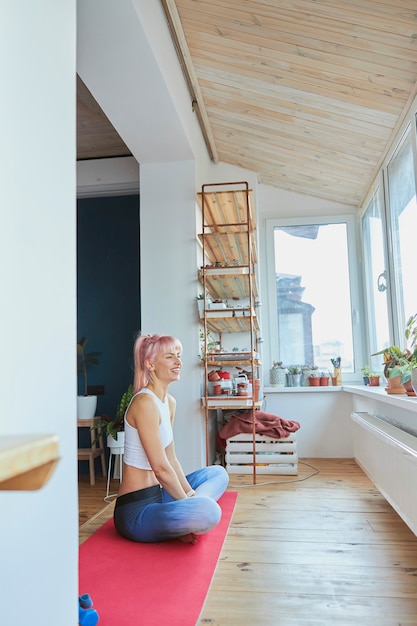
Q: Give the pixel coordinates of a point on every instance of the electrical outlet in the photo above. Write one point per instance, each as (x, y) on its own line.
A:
(95, 390)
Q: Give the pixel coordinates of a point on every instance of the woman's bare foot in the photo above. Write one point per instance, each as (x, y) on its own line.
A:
(189, 538)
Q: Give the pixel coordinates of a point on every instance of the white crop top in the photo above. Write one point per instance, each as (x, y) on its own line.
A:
(134, 454)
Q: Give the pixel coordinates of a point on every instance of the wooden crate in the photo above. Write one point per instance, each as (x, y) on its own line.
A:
(273, 456)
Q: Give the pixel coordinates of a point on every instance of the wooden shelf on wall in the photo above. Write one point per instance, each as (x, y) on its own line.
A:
(229, 282)
(231, 403)
(228, 207)
(217, 322)
(228, 249)
(27, 461)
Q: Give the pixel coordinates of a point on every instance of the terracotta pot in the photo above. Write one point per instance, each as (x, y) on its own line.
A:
(394, 386)
(408, 386)
(212, 376)
(374, 381)
(324, 381)
(217, 390)
(314, 382)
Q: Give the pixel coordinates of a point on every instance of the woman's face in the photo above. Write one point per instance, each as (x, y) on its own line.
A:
(167, 365)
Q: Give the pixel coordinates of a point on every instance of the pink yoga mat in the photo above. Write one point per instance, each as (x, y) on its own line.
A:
(142, 584)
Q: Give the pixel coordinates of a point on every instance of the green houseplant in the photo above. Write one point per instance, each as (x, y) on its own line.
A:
(84, 361)
(374, 379)
(401, 364)
(111, 427)
(86, 405)
(411, 338)
(366, 373)
(396, 368)
(294, 373)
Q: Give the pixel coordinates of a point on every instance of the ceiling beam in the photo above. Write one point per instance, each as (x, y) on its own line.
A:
(184, 57)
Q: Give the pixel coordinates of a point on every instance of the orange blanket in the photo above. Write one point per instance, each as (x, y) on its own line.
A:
(266, 424)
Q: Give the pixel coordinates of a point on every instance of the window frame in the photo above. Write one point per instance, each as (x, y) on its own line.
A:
(396, 323)
(270, 347)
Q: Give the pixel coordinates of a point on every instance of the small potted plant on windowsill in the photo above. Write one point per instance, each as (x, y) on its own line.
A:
(294, 373)
(277, 374)
(324, 379)
(366, 372)
(374, 379)
(314, 376)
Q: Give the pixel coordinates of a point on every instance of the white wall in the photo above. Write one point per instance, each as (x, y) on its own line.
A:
(39, 530)
(324, 417)
(169, 287)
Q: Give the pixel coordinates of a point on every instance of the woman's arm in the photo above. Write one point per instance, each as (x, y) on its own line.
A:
(144, 416)
(176, 465)
(172, 457)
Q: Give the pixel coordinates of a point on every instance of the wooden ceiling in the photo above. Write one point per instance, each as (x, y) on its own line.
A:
(307, 93)
(96, 137)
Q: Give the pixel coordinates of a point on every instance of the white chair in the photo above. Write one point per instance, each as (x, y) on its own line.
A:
(116, 450)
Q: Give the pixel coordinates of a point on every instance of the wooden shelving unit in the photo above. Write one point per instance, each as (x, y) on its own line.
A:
(229, 275)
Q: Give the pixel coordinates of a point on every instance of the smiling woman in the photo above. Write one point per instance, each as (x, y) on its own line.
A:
(156, 500)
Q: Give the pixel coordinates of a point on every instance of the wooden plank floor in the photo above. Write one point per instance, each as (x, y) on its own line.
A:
(321, 548)
(93, 511)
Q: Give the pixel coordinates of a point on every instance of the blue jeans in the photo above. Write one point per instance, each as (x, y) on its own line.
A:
(151, 515)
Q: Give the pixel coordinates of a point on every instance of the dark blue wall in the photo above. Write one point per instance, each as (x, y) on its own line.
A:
(108, 290)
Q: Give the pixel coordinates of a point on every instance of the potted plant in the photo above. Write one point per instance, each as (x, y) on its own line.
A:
(411, 337)
(366, 373)
(314, 376)
(208, 344)
(396, 368)
(324, 379)
(374, 379)
(201, 301)
(86, 405)
(114, 428)
(400, 366)
(294, 372)
(277, 374)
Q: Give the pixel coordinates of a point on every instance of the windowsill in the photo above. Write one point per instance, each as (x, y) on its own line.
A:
(376, 393)
(379, 394)
(318, 389)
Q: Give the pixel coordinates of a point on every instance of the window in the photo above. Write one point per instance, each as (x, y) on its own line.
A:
(376, 276)
(311, 294)
(388, 227)
(401, 186)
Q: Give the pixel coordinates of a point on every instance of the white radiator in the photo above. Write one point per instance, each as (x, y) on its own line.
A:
(388, 455)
